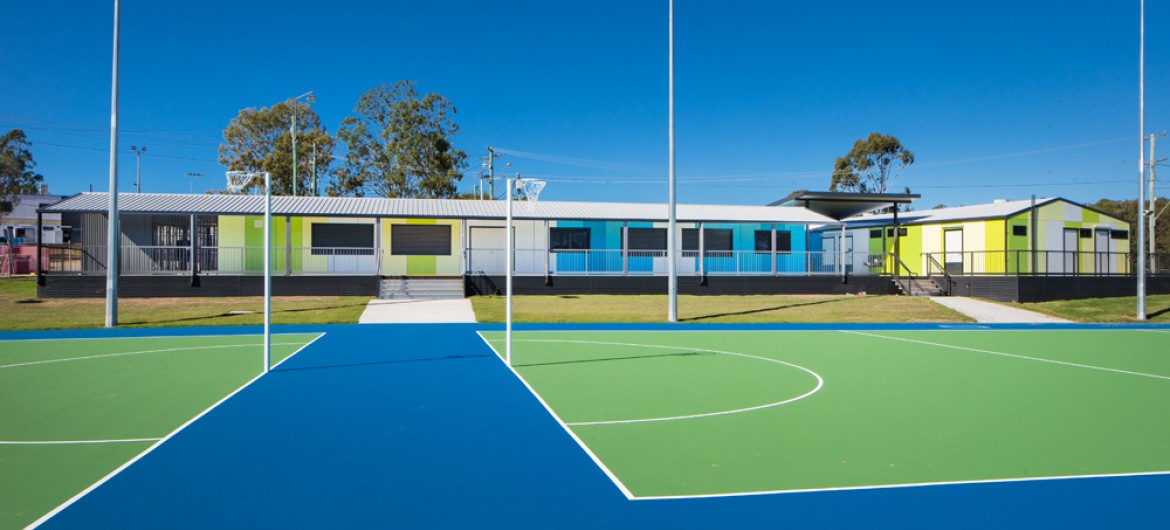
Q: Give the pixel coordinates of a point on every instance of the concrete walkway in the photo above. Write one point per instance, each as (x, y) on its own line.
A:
(988, 312)
(417, 311)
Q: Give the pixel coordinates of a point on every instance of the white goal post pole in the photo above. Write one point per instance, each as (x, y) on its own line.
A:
(508, 283)
(267, 271)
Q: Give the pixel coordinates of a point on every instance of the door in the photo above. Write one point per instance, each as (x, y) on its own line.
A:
(487, 246)
(953, 251)
(1101, 249)
(828, 257)
(1071, 239)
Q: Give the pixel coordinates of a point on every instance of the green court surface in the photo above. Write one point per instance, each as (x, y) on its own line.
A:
(73, 410)
(709, 413)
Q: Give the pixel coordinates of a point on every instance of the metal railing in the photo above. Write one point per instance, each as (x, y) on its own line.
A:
(1040, 262)
(934, 268)
(318, 261)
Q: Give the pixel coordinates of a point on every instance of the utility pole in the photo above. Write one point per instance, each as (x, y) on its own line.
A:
(315, 169)
(491, 167)
(1153, 201)
(138, 176)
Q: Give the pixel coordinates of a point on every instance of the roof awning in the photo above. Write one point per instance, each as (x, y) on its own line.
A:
(842, 205)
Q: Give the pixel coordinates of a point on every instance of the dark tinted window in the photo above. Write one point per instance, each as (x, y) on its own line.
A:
(647, 238)
(1019, 230)
(1119, 234)
(416, 240)
(568, 239)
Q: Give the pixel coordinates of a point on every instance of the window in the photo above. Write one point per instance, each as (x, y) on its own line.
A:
(714, 239)
(901, 232)
(646, 238)
(1019, 230)
(1086, 233)
(568, 239)
(783, 241)
(876, 233)
(405, 240)
(764, 240)
(1119, 234)
(326, 238)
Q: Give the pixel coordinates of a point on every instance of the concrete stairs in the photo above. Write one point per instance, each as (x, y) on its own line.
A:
(402, 287)
(917, 286)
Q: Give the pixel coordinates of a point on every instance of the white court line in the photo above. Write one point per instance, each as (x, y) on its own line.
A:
(156, 445)
(1002, 354)
(157, 337)
(122, 354)
(893, 486)
(597, 461)
(819, 385)
(76, 442)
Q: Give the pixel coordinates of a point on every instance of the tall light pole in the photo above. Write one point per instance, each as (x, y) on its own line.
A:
(1141, 207)
(309, 97)
(138, 173)
(114, 238)
(671, 238)
(191, 180)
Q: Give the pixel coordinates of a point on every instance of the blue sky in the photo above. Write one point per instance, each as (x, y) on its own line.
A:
(997, 99)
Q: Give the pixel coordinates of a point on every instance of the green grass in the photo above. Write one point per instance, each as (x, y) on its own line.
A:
(1120, 309)
(106, 389)
(890, 412)
(716, 309)
(24, 311)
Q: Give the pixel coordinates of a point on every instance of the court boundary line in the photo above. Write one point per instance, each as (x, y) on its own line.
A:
(154, 336)
(906, 485)
(143, 352)
(109, 476)
(580, 443)
(76, 442)
(820, 383)
(1010, 355)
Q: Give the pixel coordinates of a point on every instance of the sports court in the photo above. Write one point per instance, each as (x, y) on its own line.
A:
(621, 426)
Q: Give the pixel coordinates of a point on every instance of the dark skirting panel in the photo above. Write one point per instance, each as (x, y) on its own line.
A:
(713, 285)
(1026, 289)
(177, 286)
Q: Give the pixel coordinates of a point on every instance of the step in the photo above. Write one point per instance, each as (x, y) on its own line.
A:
(421, 288)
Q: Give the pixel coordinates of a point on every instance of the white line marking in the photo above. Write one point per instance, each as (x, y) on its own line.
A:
(156, 445)
(820, 382)
(122, 354)
(892, 486)
(1025, 357)
(76, 442)
(597, 461)
(158, 337)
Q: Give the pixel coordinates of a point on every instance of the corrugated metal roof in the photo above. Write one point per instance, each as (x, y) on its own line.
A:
(995, 210)
(160, 203)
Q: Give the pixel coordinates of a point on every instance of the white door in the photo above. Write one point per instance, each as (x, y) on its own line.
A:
(828, 261)
(1101, 247)
(953, 249)
(487, 245)
(1071, 238)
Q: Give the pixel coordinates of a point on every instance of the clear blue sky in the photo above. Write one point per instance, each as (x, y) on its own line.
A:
(998, 99)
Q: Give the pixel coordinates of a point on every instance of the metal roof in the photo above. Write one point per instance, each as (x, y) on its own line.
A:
(167, 203)
(840, 205)
(995, 210)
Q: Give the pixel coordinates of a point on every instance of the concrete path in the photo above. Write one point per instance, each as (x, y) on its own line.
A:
(416, 311)
(988, 312)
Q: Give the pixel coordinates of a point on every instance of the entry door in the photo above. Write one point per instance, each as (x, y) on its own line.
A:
(488, 248)
(828, 256)
(1101, 248)
(953, 249)
(1071, 237)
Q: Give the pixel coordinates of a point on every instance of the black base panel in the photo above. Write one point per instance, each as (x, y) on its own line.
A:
(712, 285)
(178, 286)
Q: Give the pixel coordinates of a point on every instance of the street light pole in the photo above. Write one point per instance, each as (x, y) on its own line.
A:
(309, 98)
(138, 176)
(191, 180)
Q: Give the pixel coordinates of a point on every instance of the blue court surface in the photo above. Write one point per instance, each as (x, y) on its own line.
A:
(423, 426)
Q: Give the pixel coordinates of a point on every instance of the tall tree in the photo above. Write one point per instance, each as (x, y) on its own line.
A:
(1126, 210)
(871, 166)
(16, 168)
(399, 145)
(261, 140)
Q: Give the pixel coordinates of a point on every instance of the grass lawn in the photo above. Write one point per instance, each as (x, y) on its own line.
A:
(1121, 309)
(725, 309)
(22, 310)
